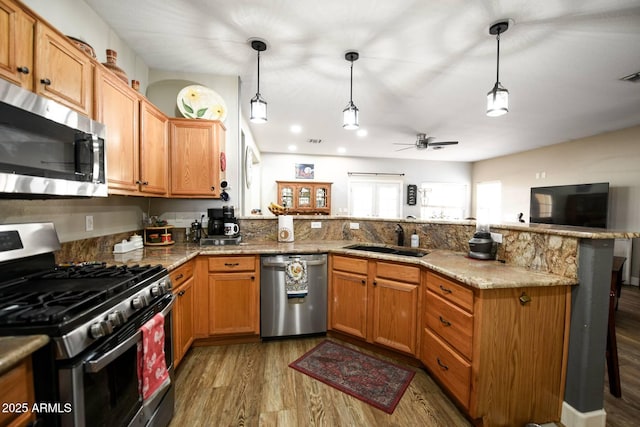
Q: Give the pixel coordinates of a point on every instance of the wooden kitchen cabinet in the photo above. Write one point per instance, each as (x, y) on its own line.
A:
(17, 32)
(305, 198)
(183, 312)
(499, 352)
(118, 107)
(62, 71)
(376, 301)
(17, 388)
(137, 138)
(227, 297)
(154, 150)
(195, 157)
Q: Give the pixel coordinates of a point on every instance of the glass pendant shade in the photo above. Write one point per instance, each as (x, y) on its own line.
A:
(258, 109)
(497, 101)
(350, 116)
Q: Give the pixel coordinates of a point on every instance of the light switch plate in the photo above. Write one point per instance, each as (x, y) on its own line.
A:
(316, 224)
(88, 222)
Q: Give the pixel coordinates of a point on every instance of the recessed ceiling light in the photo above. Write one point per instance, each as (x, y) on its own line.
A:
(342, 150)
(295, 128)
(292, 148)
(362, 132)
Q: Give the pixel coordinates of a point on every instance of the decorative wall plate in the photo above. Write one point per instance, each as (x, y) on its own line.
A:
(200, 102)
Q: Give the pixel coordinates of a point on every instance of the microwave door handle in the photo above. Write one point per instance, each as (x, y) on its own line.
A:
(94, 366)
(95, 158)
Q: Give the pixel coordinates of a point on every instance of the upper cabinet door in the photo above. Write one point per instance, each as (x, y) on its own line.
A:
(195, 157)
(16, 44)
(63, 72)
(117, 107)
(154, 150)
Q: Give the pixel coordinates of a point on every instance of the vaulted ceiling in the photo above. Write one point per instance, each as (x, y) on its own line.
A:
(425, 66)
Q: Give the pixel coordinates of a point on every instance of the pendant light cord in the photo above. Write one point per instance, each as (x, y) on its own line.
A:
(498, 60)
(351, 85)
(258, 92)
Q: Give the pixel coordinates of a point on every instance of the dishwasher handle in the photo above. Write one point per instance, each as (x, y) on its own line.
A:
(267, 263)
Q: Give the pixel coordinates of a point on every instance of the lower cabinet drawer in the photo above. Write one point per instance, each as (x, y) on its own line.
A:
(235, 263)
(452, 370)
(451, 323)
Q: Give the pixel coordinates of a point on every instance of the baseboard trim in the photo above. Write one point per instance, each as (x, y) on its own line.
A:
(571, 417)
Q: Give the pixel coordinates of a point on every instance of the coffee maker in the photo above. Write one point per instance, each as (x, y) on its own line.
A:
(223, 227)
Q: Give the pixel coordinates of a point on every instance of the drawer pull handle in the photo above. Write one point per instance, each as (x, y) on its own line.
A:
(23, 70)
(444, 321)
(231, 264)
(45, 82)
(179, 276)
(442, 365)
(445, 290)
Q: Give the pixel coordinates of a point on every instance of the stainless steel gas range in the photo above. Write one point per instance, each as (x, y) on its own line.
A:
(93, 314)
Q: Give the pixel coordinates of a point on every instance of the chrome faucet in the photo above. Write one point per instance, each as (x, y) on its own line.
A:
(400, 233)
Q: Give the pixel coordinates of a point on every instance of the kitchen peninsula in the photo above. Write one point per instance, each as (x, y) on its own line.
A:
(541, 266)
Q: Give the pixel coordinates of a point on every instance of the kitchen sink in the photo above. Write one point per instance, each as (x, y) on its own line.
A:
(387, 250)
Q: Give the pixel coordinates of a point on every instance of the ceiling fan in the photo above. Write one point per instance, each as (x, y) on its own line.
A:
(424, 142)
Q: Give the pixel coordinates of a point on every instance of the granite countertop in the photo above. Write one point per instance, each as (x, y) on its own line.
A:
(15, 349)
(475, 273)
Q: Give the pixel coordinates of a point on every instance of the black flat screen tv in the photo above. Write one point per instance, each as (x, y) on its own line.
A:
(582, 205)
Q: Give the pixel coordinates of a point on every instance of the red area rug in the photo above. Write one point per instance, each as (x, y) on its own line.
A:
(374, 381)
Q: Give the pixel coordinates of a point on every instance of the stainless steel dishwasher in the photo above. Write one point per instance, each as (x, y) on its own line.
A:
(283, 314)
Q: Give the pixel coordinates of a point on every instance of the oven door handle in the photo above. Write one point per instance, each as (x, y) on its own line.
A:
(97, 365)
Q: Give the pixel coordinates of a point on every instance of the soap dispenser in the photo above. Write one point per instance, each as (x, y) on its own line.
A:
(415, 239)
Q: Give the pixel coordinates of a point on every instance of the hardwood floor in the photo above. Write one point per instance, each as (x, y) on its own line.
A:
(251, 385)
(625, 411)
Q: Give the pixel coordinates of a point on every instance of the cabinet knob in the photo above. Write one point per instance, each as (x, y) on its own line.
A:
(181, 293)
(364, 282)
(45, 82)
(375, 283)
(139, 182)
(213, 188)
(253, 277)
(23, 70)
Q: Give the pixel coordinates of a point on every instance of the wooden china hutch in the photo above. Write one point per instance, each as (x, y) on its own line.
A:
(305, 198)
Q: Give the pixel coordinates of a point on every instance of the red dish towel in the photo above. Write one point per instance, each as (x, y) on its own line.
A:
(152, 368)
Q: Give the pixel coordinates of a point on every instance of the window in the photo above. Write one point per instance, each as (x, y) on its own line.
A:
(441, 200)
(375, 198)
(489, 202)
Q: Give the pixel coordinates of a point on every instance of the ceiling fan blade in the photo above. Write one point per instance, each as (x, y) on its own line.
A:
(402, 149)
(401, 143)
(441, 143)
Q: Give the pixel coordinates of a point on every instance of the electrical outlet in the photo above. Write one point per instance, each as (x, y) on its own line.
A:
(354, 225)
(497, 237)
(316, 224)
(88, 223)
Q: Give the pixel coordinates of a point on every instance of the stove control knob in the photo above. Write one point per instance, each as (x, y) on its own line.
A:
(100, 329)
(117, 318)
(160, 288)
(139, 302)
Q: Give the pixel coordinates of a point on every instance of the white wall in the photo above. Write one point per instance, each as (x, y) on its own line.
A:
(281, 167)
(611, 157)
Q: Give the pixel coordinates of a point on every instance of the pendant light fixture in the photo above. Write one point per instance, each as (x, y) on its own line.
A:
(258, 104)
(498, 97)
(350, 113)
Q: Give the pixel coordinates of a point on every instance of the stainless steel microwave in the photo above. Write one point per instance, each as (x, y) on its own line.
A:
(47, 149)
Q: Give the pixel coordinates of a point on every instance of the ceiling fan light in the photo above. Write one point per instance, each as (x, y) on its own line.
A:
(350, 117)
(258, 109)
(497, 101)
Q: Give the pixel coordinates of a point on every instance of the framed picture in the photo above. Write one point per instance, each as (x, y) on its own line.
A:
(304, 170)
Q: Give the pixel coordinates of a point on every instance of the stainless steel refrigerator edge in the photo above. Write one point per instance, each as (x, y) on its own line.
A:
(281, 316)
